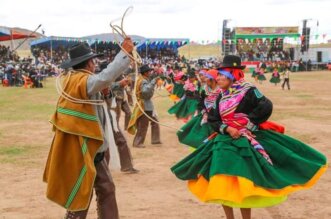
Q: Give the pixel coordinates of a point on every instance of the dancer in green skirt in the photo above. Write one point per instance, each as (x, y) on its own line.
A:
(187, 106)
(178, 80)
(260, 76)
(197, 130)
(255, 73)
(247, 165)
(275, 79)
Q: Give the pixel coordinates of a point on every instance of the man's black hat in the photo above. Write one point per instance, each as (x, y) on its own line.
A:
(79, 53)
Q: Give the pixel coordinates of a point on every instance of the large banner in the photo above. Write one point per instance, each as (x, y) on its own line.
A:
(266, 30)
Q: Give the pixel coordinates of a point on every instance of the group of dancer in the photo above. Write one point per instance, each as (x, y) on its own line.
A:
(239, 158)
(259, 76)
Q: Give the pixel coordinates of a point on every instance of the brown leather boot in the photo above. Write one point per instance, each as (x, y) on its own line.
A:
(105, 192)
(127, 111)
(142, 127)
(123, 150)
(76, 214)
(155, 130)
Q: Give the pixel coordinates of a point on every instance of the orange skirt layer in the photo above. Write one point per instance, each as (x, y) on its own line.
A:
(236, 191)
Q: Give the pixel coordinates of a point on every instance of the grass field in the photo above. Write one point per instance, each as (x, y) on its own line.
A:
(25, 137)
(194, 51)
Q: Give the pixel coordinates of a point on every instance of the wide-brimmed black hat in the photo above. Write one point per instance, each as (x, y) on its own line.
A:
(145, 68)
(232, 61)
(79, 53)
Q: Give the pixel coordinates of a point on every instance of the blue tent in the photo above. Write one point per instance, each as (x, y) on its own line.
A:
(162, 43)
(55, 42)
(151, 44)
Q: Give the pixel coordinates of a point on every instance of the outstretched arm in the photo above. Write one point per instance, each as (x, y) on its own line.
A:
(147, 88)
(98, 82)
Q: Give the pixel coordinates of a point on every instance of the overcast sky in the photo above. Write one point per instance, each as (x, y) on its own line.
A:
(197, 20)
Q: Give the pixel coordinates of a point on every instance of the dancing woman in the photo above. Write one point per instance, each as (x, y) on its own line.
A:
(187, 106)
(197, 130)
(245, 166)
(275, 78)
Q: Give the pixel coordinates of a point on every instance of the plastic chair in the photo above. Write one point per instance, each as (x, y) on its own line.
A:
(5, 82)
(27, 81)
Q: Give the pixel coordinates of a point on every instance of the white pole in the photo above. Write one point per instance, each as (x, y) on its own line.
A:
(189, 50)
(51, 50)
(12, 40)
(95, 46)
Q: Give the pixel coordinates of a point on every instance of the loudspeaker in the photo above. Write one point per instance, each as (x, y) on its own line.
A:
(292, 53)
(319, 56)
(305, 34)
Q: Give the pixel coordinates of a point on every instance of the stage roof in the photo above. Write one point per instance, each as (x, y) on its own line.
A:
(266, 32)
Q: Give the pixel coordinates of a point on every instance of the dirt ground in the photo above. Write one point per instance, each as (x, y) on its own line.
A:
(155, 193)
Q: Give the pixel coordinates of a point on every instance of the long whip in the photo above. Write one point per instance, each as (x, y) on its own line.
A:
(135, 57)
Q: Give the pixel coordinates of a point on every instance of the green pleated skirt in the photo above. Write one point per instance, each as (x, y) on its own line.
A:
(178, 90)
(254, 74)
(231, 172)
(193, 133)
(184, 108)
(261, 78)
(275, 80)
